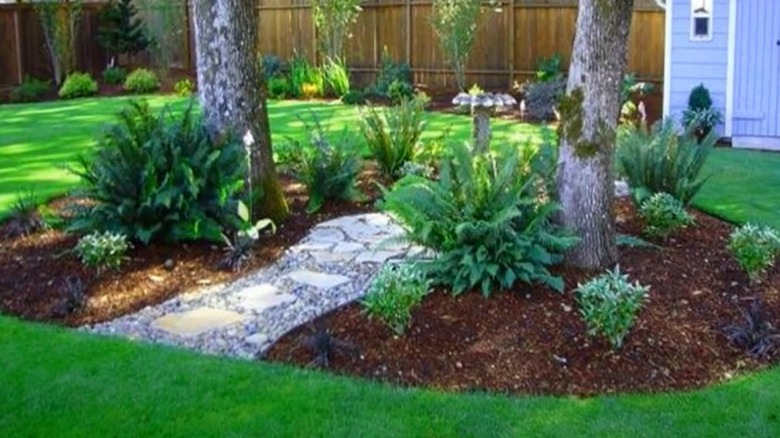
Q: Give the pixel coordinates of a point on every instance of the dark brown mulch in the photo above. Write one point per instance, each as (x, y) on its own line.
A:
(33, 269)
(532, 340)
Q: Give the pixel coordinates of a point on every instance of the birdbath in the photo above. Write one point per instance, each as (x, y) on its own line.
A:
(483, 105)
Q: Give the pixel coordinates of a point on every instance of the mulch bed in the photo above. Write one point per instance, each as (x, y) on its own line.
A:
(531, 340)
(34, 269)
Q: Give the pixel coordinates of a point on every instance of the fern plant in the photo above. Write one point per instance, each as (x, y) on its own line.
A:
(393, 133)
(658, 160)
(484, 220)
(154, 177)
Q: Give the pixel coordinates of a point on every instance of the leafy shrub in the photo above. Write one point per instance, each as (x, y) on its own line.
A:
(393, 293)
(26, 217)
(272, 66)
(279, 87)
(398, 91)
(102, 250)
(30, 90)
(305, 79)
(484, 219)
(542, 97)
(549, 69)
(142, 81)
(455, 25)
(353, 97)
(114, 76)
(78, 85)
(699, 98)
(631, 86)
(336, 77)
(184, 88)
(239, 249)
(700, 117)
(755, 248)
(393, 133)
(157, 177)
(328, 168)
(659, 160)
(389, 72)
(663, 214)
(609, 304)
(310, 91)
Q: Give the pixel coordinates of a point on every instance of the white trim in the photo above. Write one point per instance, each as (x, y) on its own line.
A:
(709, 16)
(661, 3)
(731, 67)
(762, 143)
(668, 24)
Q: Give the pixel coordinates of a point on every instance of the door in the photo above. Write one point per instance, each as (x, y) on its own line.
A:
(757, 70)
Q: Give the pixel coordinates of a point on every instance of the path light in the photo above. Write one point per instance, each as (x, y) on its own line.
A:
(483, 105)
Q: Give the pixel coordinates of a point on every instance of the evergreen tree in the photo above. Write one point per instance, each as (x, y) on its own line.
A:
(120, 31)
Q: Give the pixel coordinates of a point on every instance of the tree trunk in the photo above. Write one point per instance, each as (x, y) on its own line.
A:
(589, 114)
(232, 93)
(482, 132)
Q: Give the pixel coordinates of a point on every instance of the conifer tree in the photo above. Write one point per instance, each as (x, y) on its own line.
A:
(121, 32)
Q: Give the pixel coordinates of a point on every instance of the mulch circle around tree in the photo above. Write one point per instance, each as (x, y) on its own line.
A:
(531, 340)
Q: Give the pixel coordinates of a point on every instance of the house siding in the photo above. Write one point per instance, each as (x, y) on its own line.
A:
(698, 62)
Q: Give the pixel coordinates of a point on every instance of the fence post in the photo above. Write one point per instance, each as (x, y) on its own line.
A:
(512, 43)
(408, 10)
(18, 40)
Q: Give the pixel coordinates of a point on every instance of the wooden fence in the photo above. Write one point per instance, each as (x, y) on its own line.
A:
(510, 40)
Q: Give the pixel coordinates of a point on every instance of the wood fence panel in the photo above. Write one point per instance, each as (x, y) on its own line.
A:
(9, 55)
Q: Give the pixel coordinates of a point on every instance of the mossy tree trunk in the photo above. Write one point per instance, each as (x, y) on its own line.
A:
(232, 92)
(589, 115)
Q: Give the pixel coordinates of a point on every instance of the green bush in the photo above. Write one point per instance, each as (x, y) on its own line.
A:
(549, 69)
(336, 77)
(389, 72)
(541, 98)
(142, 81)
(700, 117)
(399, 90)
(306, 80)
(78, 85)
(484, 218)
(184, 88)
(393, 293)
(26, 216)
(658, 160)
(353, 97)
(156, 177)
(755, 248)
(393, 133)
(272, 66)
(279, 87)
(609, 304)
(663, 214)
(114, 76)
(102, 250)
(700, 98)
(30, 90)
(328, 168)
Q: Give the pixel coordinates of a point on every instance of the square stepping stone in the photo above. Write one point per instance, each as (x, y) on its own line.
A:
(325, 235)
(261, 297)
(318, 279)
(197, 321)
(378, 256)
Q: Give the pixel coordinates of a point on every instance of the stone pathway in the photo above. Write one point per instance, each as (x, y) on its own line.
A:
(330, 267)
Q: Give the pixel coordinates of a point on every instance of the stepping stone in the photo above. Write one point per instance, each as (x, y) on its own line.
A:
(197, 321)
(377, 256)
(313, 246)
(325, 235)
(318, 279)
(332, 256)
(257, 339)
(348, 247)
(261, 297)
(363, 232)
(341, 222)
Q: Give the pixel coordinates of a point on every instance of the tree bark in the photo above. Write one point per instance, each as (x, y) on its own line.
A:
(232, 93)
(589, 115)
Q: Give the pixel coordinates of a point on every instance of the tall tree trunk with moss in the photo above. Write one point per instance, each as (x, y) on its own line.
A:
(589, 114)
(232, 92)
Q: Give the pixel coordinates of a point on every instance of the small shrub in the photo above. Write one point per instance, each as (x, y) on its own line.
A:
(393, 133)
(757, 336)
(542, 97)
(609, 304)
(658, 160)
(159, 177)
(353, 97)
(389, 72)
(184, 88)
(398, 91)
(393, 293)
(272, 66)
(78, 85)
(279, 87)
(700, 98)
(663, 214)
(336, 77)
(26, 217)
(700, 117)
(484, 218)
(305, 80)
(30, 90)
(114, 76)
(142, 81)
(309, 90)
(549, 69)
(74, 296)
(239, 250)
(328, 168)
(755, 248)
(102, 250)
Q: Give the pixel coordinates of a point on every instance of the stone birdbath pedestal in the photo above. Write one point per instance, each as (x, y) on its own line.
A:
(483, 106)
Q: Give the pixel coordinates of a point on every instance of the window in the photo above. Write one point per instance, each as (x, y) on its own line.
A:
(701, 20)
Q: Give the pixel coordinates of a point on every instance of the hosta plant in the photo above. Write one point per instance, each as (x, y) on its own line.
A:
(609, 304)
(393, 293)
(102, 250)
(664, 215)
(755, 247)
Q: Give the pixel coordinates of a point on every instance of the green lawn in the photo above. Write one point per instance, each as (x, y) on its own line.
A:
(57, 382)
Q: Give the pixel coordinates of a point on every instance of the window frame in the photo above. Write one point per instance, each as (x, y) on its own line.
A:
(708, 6)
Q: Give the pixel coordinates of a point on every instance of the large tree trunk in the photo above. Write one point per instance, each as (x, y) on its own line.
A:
(589, 115)
(232, 92)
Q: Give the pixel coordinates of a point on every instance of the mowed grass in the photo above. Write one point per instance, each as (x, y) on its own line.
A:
(66, 384)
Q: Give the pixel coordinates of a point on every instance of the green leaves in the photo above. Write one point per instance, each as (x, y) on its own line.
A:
(393, 293)
(663, 215)
(755, 248)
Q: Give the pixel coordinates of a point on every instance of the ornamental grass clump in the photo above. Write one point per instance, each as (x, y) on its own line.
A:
(609, 304)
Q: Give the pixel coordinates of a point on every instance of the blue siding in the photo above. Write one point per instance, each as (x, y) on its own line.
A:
(696, 62)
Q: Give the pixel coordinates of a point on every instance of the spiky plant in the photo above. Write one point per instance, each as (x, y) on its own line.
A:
(757, 335)
(26, 217)
(323, 346)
